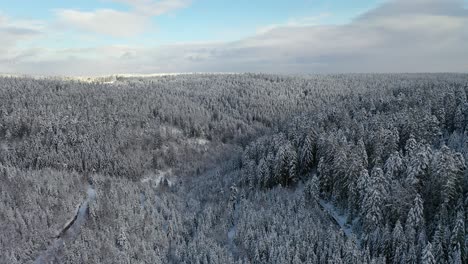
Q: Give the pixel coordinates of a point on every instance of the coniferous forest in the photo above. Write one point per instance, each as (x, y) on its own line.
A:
(235, 168)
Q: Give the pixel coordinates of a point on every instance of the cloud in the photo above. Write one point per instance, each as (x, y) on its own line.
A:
(104, 21)
(119, 23)
(398, 36)
(155, 8)
(296, 22)
(417, 7)
(14, 32)
(20, 28)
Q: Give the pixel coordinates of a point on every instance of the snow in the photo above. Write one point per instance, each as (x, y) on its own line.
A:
(91, 193)
(72, 228)
(200, 144)
(103, 78)
(142, 199)
(230, 239)
(171, 130)
(70, 221)
(198, 141)
(231, 233)
(339, 218)
(158, 177)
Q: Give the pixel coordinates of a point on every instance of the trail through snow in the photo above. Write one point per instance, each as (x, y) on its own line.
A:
(232, 232)
(69, 233)
(340, 219)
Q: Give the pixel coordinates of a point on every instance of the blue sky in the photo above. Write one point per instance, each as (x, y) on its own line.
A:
(200, 20)
(45, 37)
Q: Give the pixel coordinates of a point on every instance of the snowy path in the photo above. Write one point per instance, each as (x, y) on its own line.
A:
(340, 219)
(232, 232)
(69, 233)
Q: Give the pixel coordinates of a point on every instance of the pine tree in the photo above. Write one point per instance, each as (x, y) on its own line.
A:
(286, 165)
(398, 243)
(417, 164)
(415, 218)
(263, 173)
(307, 154)
(427, 257)
(455, 255)
(325, 175)
(439, 253)
(411, 145)
(281, 166)
(458, 234)
(393, 166)
(450, 167)
(292, 166)
(411, 256)
(379, 181)
(361, 150)
(312, 190)
(372, 206)
(421, 243)
(459, 119)
(363, 184)
(374, 195)
(351, 186)
(341, 165)
(122, 239)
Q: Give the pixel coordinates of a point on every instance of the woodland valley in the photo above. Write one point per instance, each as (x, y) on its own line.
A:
(235, 168)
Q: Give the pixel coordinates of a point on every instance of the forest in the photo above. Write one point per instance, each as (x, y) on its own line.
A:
(235, 168)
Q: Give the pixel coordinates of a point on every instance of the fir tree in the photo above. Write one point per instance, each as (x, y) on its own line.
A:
(427, 257)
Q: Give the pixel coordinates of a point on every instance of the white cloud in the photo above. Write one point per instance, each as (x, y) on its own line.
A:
(14, 32)
(3, 20)
(104, 21)
(421, 36)
(155, 8)
(119, 23)
(296, 22)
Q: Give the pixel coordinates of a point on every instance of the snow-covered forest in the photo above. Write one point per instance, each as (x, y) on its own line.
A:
(235, 168)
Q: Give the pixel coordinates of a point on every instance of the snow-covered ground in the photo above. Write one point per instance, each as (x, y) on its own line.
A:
(198, 141)
(69, 233)
(232, 233)
(158, 177)
(340, 218)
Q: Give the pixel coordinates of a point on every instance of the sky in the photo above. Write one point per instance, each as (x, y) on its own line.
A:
(101, 37)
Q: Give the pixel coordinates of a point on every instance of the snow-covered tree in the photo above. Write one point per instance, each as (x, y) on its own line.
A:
(427, 257)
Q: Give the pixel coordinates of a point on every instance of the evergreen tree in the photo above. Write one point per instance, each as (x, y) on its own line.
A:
(455, 255)
(398, 243)
(427, 257)
(307, 154)
(361, 150)
(363, 185)
(263, 173)
(372, 206)
(458, 235)
(440, 243)
(415, 218)
(312, 190)
(450, 167)
(393, 166)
